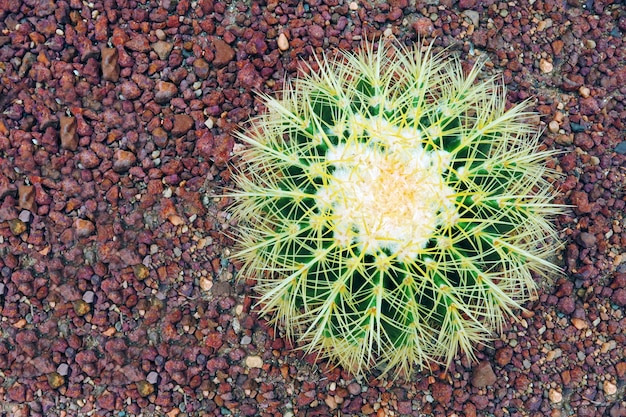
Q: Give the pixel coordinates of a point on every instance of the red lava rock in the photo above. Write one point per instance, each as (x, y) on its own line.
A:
(483, 375)
(101, 28)
(223, 53)
(204, 144)
(164, 91)
(85, 357)
(566, 305)
(223, 146)
(423, 26)
(572, 82)
(504, 355)
(123, 160)
(138, 43)
(316, 32)
(174, 366)
(88, 159)
(469, 410)
(214, 340)
(130, 90)
(584, 141)
(441, 392)
(480, 401)
(405, 407)
(619, 297)
(17, 393)
(215, 364)
(83, 228)
(249, 77)
(467, 4)
(67, 132)
(106, 401)
(557, 47)
(182, 124)
(589, 106)
(581, 200)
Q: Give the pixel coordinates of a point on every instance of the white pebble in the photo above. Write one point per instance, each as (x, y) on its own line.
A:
(254, 362)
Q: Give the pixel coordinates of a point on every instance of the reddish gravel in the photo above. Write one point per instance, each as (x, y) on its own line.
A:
(116, 294)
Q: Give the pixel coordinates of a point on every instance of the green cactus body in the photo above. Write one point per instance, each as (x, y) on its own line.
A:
(391, 209)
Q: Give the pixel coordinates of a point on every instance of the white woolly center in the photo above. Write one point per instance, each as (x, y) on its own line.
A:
(388, 194)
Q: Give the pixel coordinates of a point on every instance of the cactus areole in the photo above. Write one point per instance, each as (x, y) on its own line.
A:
(391, 209)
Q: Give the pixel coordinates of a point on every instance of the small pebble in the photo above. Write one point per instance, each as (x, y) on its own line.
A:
(555, 396)
(283, 42)
(609, 388)
(580, 324)
(17, 226)
(553, 126)
(545, 66)
(584, 92)
(254, 362)
(354, 388)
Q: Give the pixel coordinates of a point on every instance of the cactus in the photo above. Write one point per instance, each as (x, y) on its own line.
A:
(391, 209)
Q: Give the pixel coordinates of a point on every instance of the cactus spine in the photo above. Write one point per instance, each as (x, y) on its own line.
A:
(391, 208)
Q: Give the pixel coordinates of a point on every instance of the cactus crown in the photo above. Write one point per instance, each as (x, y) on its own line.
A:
(392, 209)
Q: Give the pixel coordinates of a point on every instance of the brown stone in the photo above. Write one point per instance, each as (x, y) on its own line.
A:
(26, 195)
(123, 160)
(201, 68)
(159, 136)
(164, 91)
(182, 124)
(162, 49)
(483, 375)
(141, 271)
(17, 226)
(144, 388)
(81, 307)
(109, 64)
(55, 380)
(83, 228)
(67, 132)
(223, 53)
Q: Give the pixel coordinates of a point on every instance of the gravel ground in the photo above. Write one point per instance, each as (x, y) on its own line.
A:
(117, 297)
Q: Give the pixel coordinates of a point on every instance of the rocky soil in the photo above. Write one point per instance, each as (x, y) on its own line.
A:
(117, 297)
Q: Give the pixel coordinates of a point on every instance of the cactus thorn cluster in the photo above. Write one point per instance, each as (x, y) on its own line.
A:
(392, 209)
